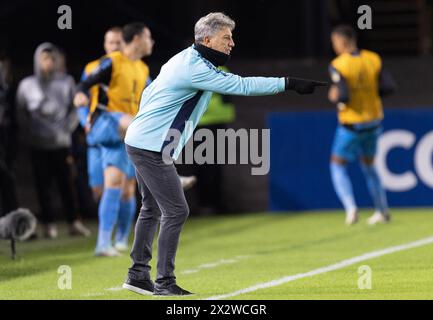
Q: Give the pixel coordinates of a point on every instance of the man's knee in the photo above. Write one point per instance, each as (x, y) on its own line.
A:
(338, 160)
(179, 212)
(367, 161)
(129, 190)
(97, 192)
(368, 168)
(184, 211)
(114, 178)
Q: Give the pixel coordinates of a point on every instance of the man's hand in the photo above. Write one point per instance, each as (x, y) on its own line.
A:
(303, 86)
(333, 94)
(81, 99)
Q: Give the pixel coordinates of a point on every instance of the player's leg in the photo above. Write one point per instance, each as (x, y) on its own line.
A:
(95, 171)
(109, 206)
(138, 279)
(343, 151)
(377, 192)
(163, 183)
(127, 211)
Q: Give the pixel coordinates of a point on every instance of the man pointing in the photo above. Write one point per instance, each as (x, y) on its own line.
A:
(180, 94)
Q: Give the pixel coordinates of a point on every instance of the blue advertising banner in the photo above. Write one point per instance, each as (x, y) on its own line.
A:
(300, 150)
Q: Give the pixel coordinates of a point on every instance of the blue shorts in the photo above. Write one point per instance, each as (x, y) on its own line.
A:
(105, 130)
(350, 145)
(94, 166)
(115, 155)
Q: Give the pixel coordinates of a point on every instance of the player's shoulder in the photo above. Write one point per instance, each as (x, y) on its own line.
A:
(373, 57)
(143, 65)
(370, 54)
(112, 57)
(340, 61)
(92, 65)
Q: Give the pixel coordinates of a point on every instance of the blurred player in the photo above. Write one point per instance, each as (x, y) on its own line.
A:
(120, 77)
(112, 42)
(359, 82)
(179, 95)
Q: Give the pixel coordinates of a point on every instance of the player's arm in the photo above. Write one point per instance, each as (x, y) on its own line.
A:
(387, 84)
(339, 91)
(101, 75)
(208, 78)
(83, 110)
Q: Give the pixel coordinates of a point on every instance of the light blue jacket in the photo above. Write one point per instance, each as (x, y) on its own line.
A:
(178, 97)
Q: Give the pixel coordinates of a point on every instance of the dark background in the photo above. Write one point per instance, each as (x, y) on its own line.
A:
(273, 38)
(265, 29)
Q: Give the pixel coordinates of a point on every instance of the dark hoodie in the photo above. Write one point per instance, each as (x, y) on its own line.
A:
(46, 113)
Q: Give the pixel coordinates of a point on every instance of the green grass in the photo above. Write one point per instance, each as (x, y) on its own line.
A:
(253, 248)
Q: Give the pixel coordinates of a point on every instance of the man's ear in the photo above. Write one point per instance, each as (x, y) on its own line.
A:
(206, 41)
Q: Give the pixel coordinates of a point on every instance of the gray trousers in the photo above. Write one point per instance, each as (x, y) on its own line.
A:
(164, 203)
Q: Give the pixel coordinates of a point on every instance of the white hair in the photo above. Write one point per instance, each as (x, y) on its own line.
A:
(208, 25)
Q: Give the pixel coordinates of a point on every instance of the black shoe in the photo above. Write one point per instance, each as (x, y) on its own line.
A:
(145, 287)
(171, 290)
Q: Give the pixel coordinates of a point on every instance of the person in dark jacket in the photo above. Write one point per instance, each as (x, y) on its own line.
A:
(47, 117)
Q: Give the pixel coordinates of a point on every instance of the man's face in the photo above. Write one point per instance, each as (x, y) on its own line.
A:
(47, 62)
(221, 41)
(145, 42)
(339, 43)
(113, 41)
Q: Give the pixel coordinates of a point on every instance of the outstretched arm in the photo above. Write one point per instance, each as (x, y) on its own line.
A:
(207, 78)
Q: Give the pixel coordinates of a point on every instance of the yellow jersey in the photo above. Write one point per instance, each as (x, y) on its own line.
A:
(115, 83)
(358, 73)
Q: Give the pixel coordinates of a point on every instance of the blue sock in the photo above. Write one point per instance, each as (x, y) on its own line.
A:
(125, 220)
(108, 211)
(343, 186)
(375, 188)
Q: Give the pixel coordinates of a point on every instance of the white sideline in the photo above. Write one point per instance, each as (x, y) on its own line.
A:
(332, 267)
(215, 264)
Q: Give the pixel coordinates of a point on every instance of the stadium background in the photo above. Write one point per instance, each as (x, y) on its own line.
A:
(273, 38)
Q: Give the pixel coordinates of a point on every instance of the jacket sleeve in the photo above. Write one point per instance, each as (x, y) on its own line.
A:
(102, 74)
(338, 79)
(206, 77)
